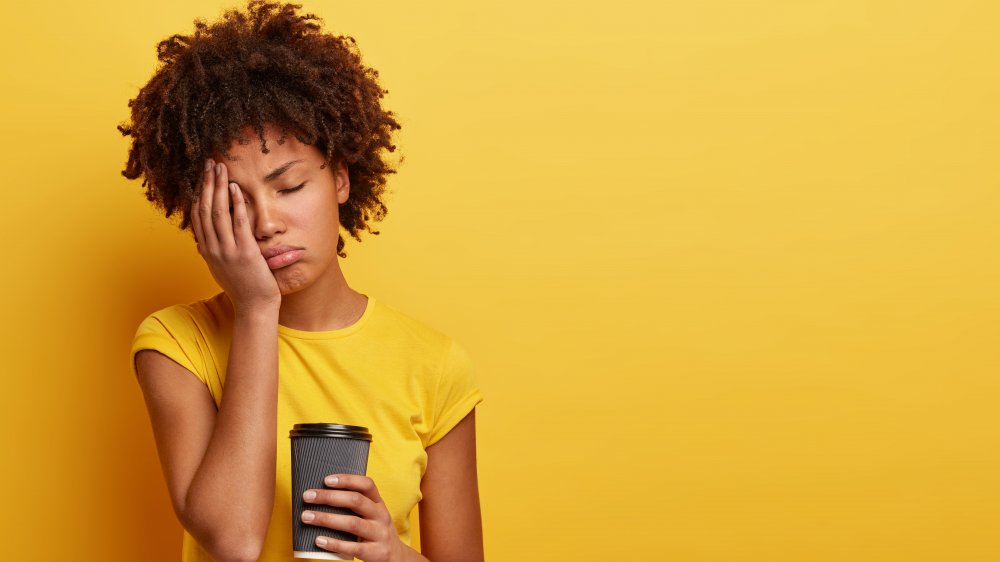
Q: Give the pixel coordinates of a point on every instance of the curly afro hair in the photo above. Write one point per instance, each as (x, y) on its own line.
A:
(269, 65)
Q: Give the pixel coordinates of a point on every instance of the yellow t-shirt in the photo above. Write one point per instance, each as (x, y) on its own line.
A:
(406, 382)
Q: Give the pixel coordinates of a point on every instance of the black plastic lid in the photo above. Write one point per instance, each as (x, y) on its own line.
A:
(330, 430)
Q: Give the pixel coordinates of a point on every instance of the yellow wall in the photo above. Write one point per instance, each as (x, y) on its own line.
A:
(729, 271)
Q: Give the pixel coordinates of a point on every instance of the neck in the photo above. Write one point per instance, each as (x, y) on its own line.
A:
(328, 304)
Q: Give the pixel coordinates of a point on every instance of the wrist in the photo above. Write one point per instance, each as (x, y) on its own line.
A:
(263, 311)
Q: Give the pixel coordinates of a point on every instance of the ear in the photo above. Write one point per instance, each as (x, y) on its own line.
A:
(342, 182)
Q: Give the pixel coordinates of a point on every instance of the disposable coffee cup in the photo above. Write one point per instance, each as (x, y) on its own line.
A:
(318, 450)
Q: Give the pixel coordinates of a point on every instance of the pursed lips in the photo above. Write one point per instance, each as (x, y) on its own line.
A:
(281, 256)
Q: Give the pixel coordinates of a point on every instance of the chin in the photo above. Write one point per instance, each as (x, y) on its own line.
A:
(291, 281)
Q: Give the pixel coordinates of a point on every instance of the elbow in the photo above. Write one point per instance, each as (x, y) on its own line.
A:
(243, 551)
(227, 543)
(228, 546)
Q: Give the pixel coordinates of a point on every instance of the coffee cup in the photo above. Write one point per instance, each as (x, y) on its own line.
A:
(318, 450)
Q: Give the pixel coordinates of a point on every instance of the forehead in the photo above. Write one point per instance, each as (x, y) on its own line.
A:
(248, 158)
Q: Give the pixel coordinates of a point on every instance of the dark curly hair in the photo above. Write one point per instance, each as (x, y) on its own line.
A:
(268, 65)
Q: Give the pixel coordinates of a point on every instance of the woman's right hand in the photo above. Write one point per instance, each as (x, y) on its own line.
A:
(227, 243)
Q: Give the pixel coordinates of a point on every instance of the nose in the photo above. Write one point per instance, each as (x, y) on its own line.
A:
(266, 220)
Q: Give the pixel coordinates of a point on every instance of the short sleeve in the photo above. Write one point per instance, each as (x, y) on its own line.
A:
(455, 395)
(164, 331)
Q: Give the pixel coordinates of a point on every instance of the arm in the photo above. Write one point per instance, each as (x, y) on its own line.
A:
(220, 466)
(451, 528)
(231, 496)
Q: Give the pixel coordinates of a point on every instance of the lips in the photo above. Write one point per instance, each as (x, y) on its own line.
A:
(282, 256)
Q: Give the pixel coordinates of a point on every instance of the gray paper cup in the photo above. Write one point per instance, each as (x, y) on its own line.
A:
(318, 450)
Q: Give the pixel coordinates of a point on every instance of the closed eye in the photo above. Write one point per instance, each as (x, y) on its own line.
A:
(293, 189)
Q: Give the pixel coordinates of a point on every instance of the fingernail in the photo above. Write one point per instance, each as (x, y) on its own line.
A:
(331, 480)
(208, 164)
(308, 516)
(232, 188)
(218, 168)
(309, 496)
(321, 541)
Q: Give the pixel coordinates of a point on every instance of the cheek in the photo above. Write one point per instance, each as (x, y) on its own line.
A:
(318, 214)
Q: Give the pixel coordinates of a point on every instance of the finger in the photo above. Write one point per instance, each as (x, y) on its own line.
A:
(361, 551)
(241, 219)
(355, 501)
(362, 484)
(221, 220)
(196, 226)
(362, 528)
(204, 203)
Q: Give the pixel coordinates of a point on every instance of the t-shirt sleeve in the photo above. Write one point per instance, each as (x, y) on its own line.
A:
(455, 395)
(169, 332)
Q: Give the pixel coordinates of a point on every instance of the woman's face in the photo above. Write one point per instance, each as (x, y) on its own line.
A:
(292, 198)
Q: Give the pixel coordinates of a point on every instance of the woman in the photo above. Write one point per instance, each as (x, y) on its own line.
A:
(268, 136)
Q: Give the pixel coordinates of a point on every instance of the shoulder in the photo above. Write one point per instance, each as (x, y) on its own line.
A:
(193, 335)
(393, 324)
(206, 316)
(446, 356)
(399, 334)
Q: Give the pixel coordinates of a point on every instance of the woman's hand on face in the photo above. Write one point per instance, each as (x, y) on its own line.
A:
(377, 538)
(227, 244)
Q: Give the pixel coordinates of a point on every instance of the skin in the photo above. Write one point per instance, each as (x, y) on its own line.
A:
(219, 463)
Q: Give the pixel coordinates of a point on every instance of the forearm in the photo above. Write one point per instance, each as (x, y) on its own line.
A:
(228, 504)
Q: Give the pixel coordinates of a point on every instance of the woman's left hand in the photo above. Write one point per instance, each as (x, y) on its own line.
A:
(377, 538)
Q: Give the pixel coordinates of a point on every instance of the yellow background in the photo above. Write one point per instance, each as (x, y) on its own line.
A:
(729, 271)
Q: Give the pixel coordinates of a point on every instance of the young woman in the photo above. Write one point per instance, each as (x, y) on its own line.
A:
(268, 136)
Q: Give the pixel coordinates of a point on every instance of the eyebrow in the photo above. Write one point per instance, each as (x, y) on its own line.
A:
(276, 173)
